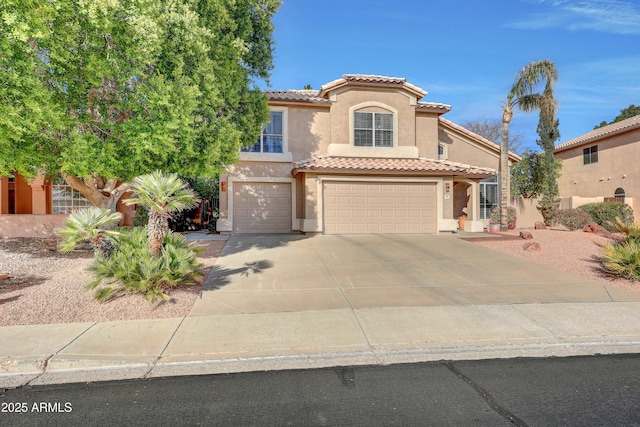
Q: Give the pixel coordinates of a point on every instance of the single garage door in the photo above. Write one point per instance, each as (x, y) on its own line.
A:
(262, 208)
(379, 207)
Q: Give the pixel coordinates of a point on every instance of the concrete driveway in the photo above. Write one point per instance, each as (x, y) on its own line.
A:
(286, 273)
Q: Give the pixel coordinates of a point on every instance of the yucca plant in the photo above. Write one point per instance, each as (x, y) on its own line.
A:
(161, 194)
(92, 225)
(623, 258)
(628, 229)
(133, 269)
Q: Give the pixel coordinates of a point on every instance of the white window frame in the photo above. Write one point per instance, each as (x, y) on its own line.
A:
(442, 147)
(588, 154)
(72, 201)
(485, 210)
(386, 110)
(285, 156)
(377, 134)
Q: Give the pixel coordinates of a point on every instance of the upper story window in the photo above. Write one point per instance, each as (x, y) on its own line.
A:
(590, 155)
(373, 129)
(442, 152)
(271, 139)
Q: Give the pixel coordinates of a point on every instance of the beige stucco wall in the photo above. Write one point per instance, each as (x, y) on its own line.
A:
(427, 135)
(308, 131)
(460, 149)
(617, 167)
(346, 101)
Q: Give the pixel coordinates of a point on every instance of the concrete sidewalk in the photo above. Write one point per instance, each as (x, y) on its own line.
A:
(284, 302)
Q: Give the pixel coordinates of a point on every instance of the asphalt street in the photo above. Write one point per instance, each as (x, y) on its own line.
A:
(585, 391)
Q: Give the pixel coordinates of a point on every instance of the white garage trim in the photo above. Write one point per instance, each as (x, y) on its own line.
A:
(295, 224)
(400, 180)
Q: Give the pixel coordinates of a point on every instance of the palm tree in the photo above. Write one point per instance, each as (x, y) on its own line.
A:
(93, 225)
(522, 96)
(162, 194)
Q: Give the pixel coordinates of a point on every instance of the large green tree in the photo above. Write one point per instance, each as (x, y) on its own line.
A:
(523, 96)
(102, 91)
(625, 113)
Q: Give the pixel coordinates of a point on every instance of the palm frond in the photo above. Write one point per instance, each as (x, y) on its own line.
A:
(162, 193)
(532, 75)
(88, 225)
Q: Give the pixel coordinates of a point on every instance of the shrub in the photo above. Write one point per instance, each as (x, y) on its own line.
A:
(623, 258)
(494, 216)
(548, 207)
(630, 231)
(92, 225)
(573, 219)
(605, 213)
(132, 268)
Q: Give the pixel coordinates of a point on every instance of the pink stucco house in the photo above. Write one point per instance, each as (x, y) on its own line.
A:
(602, 165)
(364, 154)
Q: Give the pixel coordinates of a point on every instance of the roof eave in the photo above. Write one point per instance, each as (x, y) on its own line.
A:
(349, 171)
(595, 138)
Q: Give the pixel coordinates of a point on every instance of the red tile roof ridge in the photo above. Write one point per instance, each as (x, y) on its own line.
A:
(608, 130)
(305, 95)
(389, 164)
(374, 79)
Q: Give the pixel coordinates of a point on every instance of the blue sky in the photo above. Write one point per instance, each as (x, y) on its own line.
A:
(465, 53)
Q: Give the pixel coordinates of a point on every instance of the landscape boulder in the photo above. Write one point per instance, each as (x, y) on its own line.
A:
(592, 227)
(526, 235)
(531, 246)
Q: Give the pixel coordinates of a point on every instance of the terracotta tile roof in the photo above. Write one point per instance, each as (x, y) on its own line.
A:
(605, 131)
(379, 165)
(484, 141)
(372, 79)
(296, 95)
(433, 106)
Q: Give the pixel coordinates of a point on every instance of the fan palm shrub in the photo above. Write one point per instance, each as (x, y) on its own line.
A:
(92, 225)
(161, 194)
(133, 269)
(622, 258)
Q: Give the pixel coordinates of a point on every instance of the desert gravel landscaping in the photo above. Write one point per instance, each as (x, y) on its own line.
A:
(576, 252)
(48, 287)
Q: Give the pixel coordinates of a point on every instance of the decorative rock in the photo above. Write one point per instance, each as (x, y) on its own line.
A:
(540, 226)
(531, 246)
(592, 227)
(618, 237)
(526, 235)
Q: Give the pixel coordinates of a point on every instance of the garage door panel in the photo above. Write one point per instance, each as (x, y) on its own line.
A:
(379, 207)
(262, 208)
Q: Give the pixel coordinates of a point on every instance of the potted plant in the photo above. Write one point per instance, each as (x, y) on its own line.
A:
(494, 218)
(462, 219)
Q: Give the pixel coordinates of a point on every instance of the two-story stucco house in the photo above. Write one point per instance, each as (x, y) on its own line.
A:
(602, 164)
(364, 154)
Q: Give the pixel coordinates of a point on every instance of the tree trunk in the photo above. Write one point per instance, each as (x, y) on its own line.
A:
(156, 229)
(507, 115)
(102, 193)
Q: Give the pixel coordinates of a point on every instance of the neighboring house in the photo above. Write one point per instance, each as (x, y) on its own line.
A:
(361, 155)
(32, 208)
(602, 165)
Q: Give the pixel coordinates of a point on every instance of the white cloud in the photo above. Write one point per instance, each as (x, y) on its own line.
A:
(609, 16)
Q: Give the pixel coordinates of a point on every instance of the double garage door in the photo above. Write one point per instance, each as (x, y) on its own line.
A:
(348, 207)
(379, 207)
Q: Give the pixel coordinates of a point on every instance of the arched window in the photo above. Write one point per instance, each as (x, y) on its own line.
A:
(619, 193)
